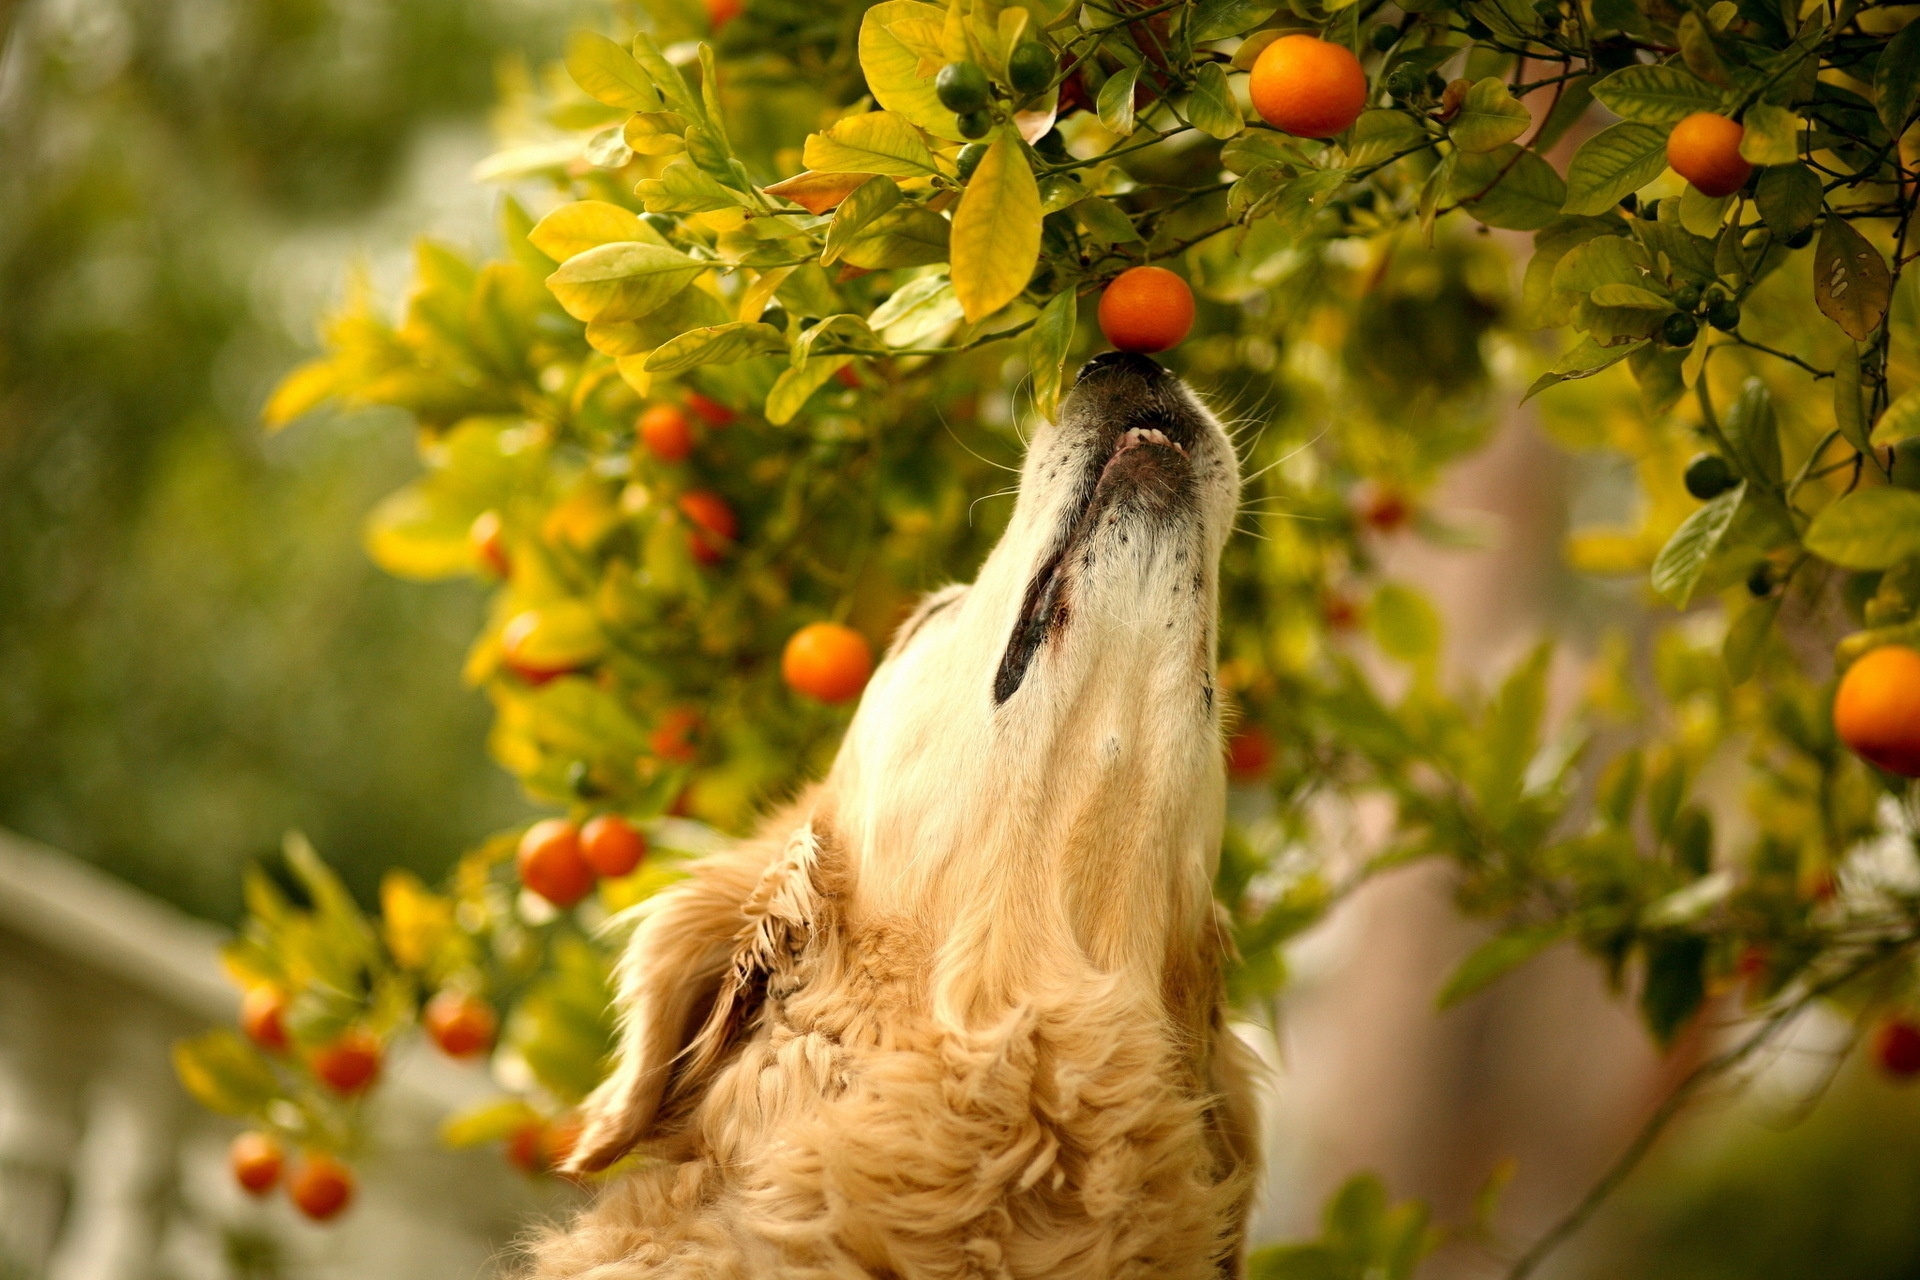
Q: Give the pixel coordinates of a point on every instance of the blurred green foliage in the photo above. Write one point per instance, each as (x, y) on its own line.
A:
(196, 654)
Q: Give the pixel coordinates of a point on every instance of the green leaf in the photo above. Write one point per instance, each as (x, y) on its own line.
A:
(1583, 360)
(1489, 117)
(1628, 295)
(1701, 215)
(1747, 637)
(1047, 347)
(1104, 221)
(1678, 568)
(842, 333)
(573, 229)
(667, 79)
(1850, 279)
(1501, 189)
(996, 231)
(922, 308)
(609, 73)
(1510, 736)
(1900, 422)
(1789, 197)
(685, 188)
(910, 236)
(1296, 1262)
(1753, 429)
(1115, 104)
(621, 281)
(1771, 135)
(1849, 413)
(1896, 78)
(1613, 164)
(1212, 109)
(875, 196)
(1660, 95)
(716, 344)
(1676, 982)
(1602, 260)
(1404, 624)
(877, 142)
(892, 66)
(1218, 19)
(491, 1121)
(795, 387)
(1868, 529)
(225, 1073)
(1497, 957)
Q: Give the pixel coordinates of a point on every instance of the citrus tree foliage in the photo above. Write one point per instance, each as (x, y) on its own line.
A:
(857, 297)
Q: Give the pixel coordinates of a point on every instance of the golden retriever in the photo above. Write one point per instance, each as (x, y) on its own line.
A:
(957, 1011)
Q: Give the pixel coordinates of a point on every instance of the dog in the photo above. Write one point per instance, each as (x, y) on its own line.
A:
(957, 1011)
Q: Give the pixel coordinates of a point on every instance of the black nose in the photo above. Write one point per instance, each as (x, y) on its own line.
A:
(1122, 362)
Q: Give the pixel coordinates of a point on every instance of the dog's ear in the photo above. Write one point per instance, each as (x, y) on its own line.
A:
(692, 977)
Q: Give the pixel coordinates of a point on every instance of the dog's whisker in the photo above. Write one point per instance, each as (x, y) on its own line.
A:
(975, 452)
(999, 493)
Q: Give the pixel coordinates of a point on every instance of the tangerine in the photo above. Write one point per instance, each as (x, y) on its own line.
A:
(462, 1024)
(1704, 149)
(714, 525)
(551, 864)
(1896, 1046)
(828, 661)
(487, 536)
(255, 1159)
(611, 845)
(321, 1187)
(665, 431)
(1876, 710)
(1146, 309)
(1307, 86)
(263, 1016)
(350, 1064)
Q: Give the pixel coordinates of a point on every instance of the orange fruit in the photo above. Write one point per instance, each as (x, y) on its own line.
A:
(1146, 309)
(1896, 1046)
(263, 1016)
(255, 1159)
(350, 1064)
(320, 1186)
(1385, 510)
(665, 431)
(1307, 87)
(560, 1138)
(673, 738)
(1249, 753)
(461, 1023)
(551, 864)
(709, 411)
(526, 1147)
(721, 12)
(1876, 710)
(611, 845)
(487, 536)
(828, 661)
(1704, 149)
(515, 651)
(713, 521)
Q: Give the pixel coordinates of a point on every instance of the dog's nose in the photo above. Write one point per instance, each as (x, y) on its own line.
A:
(1122, 362)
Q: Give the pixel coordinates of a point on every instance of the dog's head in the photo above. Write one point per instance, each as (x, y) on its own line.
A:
(1065, 701)
(1032, 785)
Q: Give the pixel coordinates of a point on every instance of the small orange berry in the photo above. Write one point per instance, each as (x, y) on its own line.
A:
(710, 411)
(321, 1187)
(263, 1016)
(1250, 753)
(1146, 309)
(828, 661)
(721, 12)
(255, 1159)
(1307, 86)
(550, 862)
(611, 845)
(714, 525)
(350, 1064)
(525, 1148)
(462, 1024)
(1876, 710)
(665, 431)
(1384, 509)
(1704, 149)
(1896, 1046)
(673, 739)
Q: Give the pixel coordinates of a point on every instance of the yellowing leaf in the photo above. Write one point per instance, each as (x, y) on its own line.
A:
(587, 224)
(1490, 117)
(1900, 422)
(609, 73)
(301, 392)
(1868, 529)
(621, 281)
(1212, 108)
(1771, 135)
(896, 37)
(412, 536)
(795, 386)
(817, 192)
(1850, 279)
(877, 142)
(996, 231)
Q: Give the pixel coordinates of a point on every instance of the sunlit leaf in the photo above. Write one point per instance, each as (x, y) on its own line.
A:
(587, 224)
(1489, 117)
(1661, 94)
(877, 142)
(996, 231)
(621, 281)
(1868, 529)
(1613, 164)
(609, 73)
(1677, 570)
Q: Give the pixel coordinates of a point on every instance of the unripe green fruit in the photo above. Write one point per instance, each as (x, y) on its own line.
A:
(1053, 147)
(1385, 36)
(963, 87)
(1724, 314)
(1760, 581)
(974, 124)
(1406, 80)
(1709, 476)
(1031, 67)
(1686, 297)
(969, 159)
(1679, 330)
(1800, 239)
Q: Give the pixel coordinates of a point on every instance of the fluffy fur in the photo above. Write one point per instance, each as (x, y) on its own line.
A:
(957, 1012)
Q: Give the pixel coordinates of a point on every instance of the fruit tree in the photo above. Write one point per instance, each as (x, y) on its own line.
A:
(775, 286)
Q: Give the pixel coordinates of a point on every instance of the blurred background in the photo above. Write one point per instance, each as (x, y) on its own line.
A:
(196, 657)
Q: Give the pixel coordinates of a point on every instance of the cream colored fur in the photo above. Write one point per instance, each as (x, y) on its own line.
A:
(957, 1011)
